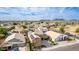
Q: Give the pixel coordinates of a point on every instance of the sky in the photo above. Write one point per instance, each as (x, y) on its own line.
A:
(36, 13)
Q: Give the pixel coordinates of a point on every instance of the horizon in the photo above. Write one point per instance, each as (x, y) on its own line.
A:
(38, 13)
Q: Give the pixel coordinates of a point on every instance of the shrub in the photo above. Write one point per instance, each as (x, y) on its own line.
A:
(77, 30)
(14, 23)
(70, 39)
(62, 30)
(52, 42)
(1, 49)
(11, 28)
(24, 26)
(2, 36)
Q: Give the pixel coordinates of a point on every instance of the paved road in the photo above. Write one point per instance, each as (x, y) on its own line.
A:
(74, 47)
(68, 48)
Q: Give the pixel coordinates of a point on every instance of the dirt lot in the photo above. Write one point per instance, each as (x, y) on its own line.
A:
(71, 29)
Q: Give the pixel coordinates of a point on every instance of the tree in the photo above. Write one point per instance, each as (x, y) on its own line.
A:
(3, 32)
(62, 29)
(24, 26)
(14, 23)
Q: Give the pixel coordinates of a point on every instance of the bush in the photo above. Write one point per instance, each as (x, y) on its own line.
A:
(62, 30)
(11, 28)
(2, 49)
(53, 42)
(77, 30)
(2, 36)
(43, 46)
(70, 39)
(24, 26)
(14, 23)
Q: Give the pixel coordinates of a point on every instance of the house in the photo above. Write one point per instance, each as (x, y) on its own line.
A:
(34, 39)
(6, 25)
(13, 41)
(44, 24)
(19, 29)
(40, 32)
(54, 36)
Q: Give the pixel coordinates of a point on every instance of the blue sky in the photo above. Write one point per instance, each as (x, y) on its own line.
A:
(35, 13)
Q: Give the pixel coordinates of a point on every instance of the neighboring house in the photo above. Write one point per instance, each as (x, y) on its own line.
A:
(19, 29)
(14, 40)
(40, 30)
(54, 36)
(51, 24)
(34, 39)
(44, 29)
(44, 24)
(6, 25)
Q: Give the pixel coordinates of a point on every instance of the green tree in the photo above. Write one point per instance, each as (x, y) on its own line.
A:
(3, 32)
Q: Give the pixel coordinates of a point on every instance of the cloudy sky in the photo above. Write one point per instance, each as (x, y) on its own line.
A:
(35, 13)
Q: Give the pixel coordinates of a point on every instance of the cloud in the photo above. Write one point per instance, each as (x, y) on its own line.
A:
(13, 13)
(4, 13)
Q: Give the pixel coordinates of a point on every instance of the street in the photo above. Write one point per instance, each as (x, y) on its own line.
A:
(68, 48)
(71, 47)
